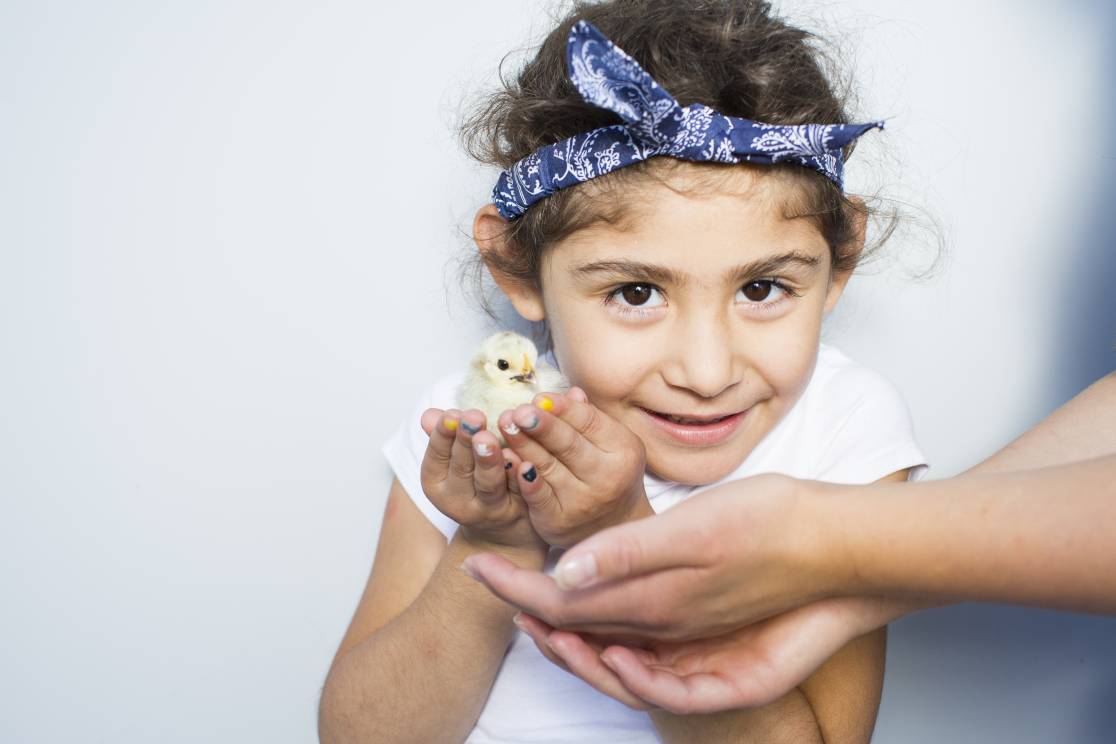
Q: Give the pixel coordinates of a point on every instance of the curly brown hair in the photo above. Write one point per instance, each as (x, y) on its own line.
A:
(733, 55)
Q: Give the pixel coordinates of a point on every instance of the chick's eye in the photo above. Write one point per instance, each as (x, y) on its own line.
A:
(637, 295)
(502, 363)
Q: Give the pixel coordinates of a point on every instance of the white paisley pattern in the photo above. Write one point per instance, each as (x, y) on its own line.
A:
(654, 124)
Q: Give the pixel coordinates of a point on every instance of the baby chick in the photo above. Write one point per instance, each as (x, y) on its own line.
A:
(506, 373)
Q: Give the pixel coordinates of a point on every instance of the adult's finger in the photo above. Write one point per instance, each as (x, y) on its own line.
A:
(538, 632)
(673, 539)
(623, 609)
(682, 694)
(583, 660)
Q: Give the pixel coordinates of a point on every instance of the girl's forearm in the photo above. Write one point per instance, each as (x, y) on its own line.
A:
(1038, 537)
(788, 720)
(425, 676)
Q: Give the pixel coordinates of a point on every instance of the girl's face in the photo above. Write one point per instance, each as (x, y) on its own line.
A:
(701, 308)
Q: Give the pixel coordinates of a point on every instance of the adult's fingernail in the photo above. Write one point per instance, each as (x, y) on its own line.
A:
(530, 475)
(468, 569)
(577, 572)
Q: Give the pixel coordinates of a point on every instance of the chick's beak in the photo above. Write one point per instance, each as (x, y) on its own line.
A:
(527, 372)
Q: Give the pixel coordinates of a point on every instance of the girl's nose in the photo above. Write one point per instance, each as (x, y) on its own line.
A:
(701, 358)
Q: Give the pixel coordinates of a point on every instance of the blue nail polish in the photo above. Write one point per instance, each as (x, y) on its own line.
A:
(530, 475)
(533, 423)
(469, 427)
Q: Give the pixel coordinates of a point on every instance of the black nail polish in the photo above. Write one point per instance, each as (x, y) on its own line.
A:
(469, 427)
(530, 475)
(507, 466)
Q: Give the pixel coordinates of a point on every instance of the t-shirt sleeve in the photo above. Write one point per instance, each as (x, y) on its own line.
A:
(405, 449)
(876, 436)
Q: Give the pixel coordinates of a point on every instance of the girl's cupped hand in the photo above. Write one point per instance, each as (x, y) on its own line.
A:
(581, 470)
(471, 480)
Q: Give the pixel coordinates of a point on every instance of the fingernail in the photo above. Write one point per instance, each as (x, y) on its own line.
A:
(532, 423)
(469, 427)
(511, 429)
(517, 618)
(507, 466)
(482, 449)
(530, 475)
(468, 569)
(546, 404)
(577, 572)
(450, 424)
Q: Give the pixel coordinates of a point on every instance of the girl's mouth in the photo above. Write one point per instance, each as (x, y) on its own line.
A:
(701, 431)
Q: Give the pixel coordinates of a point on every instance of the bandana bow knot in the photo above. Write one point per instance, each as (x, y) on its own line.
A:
(654, 124)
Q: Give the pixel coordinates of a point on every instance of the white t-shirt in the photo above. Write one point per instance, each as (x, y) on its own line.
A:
(849, 426)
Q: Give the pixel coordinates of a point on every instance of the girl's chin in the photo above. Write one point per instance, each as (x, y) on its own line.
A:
(690, 469)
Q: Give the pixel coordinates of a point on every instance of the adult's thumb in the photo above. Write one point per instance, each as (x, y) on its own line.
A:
(645, 545)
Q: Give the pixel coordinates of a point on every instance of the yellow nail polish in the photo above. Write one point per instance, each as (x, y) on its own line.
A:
(451, 424)
(546, 404)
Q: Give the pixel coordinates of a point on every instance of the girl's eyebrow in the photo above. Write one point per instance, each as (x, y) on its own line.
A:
(666, 275)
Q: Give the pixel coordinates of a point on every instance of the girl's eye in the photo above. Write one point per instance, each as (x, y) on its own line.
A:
(767, 291)
(637, 295)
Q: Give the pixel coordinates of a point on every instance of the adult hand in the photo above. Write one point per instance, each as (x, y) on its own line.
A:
(727, 557)
(748, 667)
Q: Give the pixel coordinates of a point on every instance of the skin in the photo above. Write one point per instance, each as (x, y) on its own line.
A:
(894, 556)
(705, 348)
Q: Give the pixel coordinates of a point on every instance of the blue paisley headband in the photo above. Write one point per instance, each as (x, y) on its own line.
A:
(607, 77)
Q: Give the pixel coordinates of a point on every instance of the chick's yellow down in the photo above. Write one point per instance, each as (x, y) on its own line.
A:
(506, 373)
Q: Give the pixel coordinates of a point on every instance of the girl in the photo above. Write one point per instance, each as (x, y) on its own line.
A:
(682, 263)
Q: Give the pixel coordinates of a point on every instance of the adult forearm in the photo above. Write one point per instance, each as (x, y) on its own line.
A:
(1039, 537)
(425, 676)
(1082, 429)
(788, 720)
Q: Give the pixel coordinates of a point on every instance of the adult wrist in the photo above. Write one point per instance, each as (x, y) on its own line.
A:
(824, 515)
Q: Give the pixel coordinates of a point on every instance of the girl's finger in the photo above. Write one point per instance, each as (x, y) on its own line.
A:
(511, 472)
(489, 476)
(534, 490)
(578, 394)
(436, 461)
(532, 435)
(462, 464)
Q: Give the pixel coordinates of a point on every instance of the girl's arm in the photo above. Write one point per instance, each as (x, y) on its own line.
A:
(424, 645)
(837, 704)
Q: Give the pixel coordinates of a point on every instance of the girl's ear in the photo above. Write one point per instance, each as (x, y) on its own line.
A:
(489, 233)
(859, 217)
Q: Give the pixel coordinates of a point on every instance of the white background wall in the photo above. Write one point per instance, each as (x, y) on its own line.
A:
(223, 232)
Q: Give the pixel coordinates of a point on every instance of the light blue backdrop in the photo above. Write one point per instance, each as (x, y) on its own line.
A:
(223, 237)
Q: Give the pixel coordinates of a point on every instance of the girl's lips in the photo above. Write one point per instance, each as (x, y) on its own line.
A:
(702, 435)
